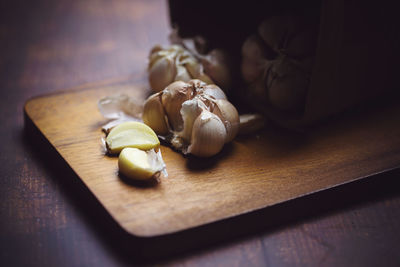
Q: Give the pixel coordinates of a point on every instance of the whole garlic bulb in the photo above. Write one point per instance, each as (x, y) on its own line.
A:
(174, 63)
(195, 117)
(177, 63)
(277, 62)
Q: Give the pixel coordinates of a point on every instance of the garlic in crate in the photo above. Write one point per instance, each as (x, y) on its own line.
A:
(196, 117)
(177, 63)
(277, 62)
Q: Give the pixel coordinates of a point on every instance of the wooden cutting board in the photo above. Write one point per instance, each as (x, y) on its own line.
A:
(254, 172)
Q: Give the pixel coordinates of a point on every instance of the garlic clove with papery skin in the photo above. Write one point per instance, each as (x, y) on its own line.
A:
(182, 74)
(229, 116)
(287, 85)
(214, 91)
(208, 135)
(216, 67)
(190, 110)
(162, 73)
(172, 98)
(154, 115)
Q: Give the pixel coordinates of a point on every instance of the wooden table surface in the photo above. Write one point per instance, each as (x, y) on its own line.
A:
(48, 218)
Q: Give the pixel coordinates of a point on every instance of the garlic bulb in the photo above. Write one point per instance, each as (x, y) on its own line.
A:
(194, 117)
(277, 63)
(178, 63)
(173, 64)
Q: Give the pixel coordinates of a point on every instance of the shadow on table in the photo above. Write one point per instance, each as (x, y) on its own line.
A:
(128, 248)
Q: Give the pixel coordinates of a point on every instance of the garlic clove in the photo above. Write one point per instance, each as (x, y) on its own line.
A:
(131, 134)
(182, 74)
(196, 70)
(172, 98)
(253, 48)
(208, 135)
(205, 78)
(138, 164)
(214, 91)
(229, 116)
(216, 67)
(154, 115)
(251, 70)
(162, 73)
(287, 86)
(193, 67)
(190, 110)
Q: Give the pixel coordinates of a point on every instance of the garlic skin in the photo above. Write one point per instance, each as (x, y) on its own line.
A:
(179, 63)
(199, 118)
(277, 63)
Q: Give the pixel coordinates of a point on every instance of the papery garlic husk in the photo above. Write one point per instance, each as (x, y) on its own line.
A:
(208, 135)
(193, 111)
(190, 110)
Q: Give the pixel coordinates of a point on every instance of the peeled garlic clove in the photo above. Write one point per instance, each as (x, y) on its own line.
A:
(162, 73)
(229, 116)
(208, 135)
(138, 164)
(154, 115)
(131, 134)
(172, 98)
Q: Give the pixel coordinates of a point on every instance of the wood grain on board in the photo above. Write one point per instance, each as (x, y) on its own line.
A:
(253, 172)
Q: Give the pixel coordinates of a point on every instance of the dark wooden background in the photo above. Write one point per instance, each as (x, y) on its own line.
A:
(48, 218)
